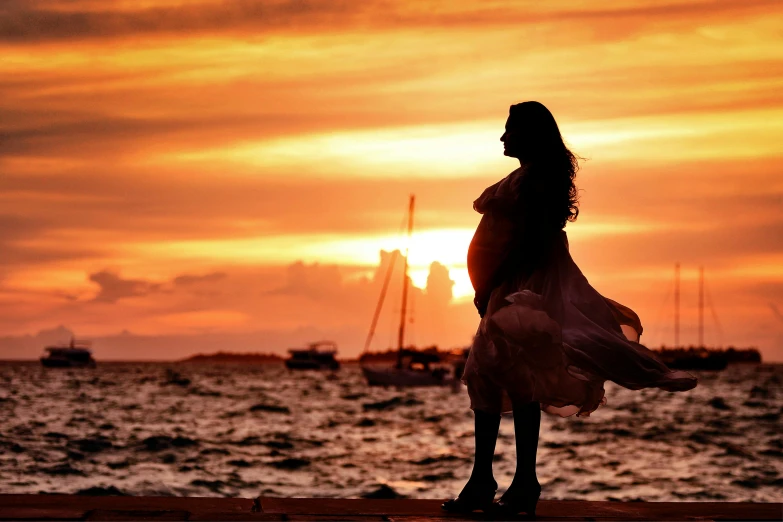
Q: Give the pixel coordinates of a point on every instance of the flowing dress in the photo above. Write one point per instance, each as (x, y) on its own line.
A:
(545, 334)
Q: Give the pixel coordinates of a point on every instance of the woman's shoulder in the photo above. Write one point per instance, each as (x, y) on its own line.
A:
(501, 196)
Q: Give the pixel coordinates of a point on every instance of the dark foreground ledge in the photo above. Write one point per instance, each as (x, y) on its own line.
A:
(70, 507)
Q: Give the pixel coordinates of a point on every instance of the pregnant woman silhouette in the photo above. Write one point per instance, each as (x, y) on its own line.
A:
(547, 340)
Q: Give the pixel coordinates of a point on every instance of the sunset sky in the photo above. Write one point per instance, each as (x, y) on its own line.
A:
(191, 176)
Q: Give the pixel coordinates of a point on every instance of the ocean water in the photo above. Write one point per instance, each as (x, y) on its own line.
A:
(244, 431)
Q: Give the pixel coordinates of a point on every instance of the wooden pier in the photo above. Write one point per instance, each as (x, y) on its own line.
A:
(71, 507)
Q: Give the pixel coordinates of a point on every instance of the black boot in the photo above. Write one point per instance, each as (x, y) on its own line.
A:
(479, 492)
(523, 493)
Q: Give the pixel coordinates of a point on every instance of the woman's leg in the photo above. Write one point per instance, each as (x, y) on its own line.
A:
(486, 435)
(522, 494)
(479, 492)
(527, 421)
(486, 401)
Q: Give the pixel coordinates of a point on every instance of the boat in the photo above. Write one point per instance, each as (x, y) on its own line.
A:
(412, 367)
(76, 354)
(700, 357)
(317, 356)
(693, 358)
(415, 368)
(710, 359)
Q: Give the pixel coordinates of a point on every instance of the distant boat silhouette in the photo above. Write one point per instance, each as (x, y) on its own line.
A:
(77, 354)
(413, 367)
(700, 357)
(317, 356)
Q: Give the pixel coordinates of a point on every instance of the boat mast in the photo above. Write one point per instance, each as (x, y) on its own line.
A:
(401, 336)
(677, 305)
(701, 307)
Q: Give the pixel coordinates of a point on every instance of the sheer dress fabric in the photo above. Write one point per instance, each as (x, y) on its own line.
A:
(546, 335)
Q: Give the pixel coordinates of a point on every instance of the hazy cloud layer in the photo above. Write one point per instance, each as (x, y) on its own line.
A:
(244, 302)
(31, 21)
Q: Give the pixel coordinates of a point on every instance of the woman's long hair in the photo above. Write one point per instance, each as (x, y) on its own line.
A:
(550, 165)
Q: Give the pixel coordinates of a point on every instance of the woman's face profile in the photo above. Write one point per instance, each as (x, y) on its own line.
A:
(512, 141)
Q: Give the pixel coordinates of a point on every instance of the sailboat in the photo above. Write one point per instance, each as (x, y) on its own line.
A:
(413, 367)
(700, 357)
